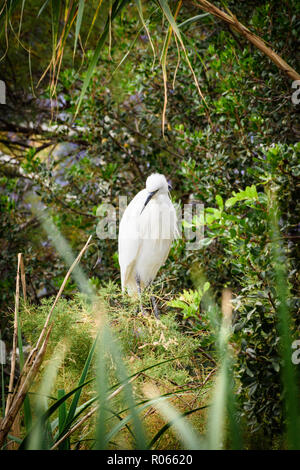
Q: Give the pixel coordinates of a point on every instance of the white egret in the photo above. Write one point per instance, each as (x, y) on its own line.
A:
(147, 229)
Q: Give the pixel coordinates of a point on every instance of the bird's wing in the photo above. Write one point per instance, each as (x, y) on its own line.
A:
(129, 239)
(170, 231)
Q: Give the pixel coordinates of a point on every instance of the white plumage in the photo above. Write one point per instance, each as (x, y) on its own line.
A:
(147, 229)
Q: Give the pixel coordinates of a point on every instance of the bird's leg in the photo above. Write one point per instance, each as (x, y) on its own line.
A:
(155, 308)
(138, 283)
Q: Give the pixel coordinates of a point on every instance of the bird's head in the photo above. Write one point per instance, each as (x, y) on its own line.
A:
(156, 184)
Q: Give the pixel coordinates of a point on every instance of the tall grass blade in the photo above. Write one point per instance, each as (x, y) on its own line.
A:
(21, 18)
(167, 12)
(216, 421)
(42, 8)
(193, 19)
(78, 22)
(235, 438)
(119, 426)
(84, 406)
(58, 403)
(27, 408)
(41, 436)
(55, 14)
(82, 379)
(128, 52)
(102, 388)
(219, 407)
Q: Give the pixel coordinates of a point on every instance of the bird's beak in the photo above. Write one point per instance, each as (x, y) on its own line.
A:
(149, 197)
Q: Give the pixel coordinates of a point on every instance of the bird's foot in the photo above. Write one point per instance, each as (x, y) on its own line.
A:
(155, 308)
(143, 312)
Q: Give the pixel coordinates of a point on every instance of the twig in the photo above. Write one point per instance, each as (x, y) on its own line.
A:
(208, 376)
(206, 355)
